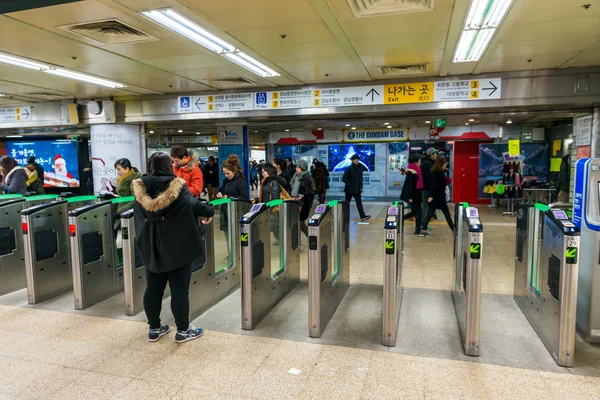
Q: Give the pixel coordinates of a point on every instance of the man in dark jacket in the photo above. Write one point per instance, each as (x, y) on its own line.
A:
(168, 240)
(353, 179)
(564, 177)
(211, 177)
(426, 165)
(290, 170)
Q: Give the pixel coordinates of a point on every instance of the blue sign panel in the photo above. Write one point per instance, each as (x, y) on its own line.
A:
(261, 98)
(579, 194)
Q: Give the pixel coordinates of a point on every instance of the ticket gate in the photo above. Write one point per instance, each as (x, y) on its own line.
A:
(80, 201)
(466, 295)
(267, 275)
(31, 201)
(46, 251)
(92, 254)
(12, 271)
(328, 263)
(586, 216)
(392, 274)
(546, 273)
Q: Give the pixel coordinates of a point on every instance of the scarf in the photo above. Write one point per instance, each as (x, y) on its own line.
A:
(296, 181)
(419, 174)
(125, 176)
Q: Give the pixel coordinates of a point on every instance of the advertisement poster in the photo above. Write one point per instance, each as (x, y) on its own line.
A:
(59, 158)
(492, 157)
(108, 144)
(397, 161)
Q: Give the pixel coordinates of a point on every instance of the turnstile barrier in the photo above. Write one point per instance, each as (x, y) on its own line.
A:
(466, 295)
(12, 270)
(92, 253)
(46, 251)
(264, 282)
(75, 202)
(328, 263)
(392, 274)
(546, 274)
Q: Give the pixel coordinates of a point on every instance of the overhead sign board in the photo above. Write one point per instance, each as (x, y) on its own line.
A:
(15, 114)
(376, 135)
(401, 93)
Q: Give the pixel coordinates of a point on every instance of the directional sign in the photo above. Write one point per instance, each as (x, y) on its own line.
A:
(184, 104)
(224, 102)
(405, 93)
(244, 239)
(479, 89)
(571, 255)
(389, 246)
(15, 114)
(475, 250)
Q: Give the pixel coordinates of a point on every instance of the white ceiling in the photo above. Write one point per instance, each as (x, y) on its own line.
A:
(324, 43)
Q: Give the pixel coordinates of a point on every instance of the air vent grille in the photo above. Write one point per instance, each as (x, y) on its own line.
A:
(46, 96)
(232, 82)
(109, 32)
(409, 69)
(371, 8)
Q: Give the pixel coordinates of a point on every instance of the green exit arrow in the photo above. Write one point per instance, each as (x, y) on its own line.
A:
(475, 248)
(571, 252)
(389, 244)
(244, 237)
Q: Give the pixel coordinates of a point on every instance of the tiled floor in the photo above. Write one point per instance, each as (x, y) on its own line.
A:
(51, 351)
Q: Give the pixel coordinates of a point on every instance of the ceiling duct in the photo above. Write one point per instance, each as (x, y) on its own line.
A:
(399, 70)
(226, 83)
(371, 8)
(109, 32)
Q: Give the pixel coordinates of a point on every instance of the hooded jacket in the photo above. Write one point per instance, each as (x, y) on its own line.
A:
(192, 175)
(166, 221)
(16, 181)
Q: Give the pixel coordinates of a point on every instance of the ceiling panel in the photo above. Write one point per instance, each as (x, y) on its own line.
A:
(587, 60)
(520, 63)
(558, 10)
(542, 47)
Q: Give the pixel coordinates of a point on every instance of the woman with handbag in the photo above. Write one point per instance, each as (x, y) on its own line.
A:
(273, 187)
(303, 189)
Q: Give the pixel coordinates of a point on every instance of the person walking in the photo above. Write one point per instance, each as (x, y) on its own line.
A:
(564, 177)
(211, 178)
(290, 170)
(164, 205)
(271, 189)
(353, 181)
(303, 190)
(411, 191)
(253, 175)
(14, 178)
(437, 196)
(318, 174)
(426, 165)
(281, 167)
(185, 166)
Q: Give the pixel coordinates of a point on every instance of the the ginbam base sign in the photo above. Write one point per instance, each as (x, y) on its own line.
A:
(376, 135)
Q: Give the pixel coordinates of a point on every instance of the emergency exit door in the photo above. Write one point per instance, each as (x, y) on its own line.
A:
(466, 172)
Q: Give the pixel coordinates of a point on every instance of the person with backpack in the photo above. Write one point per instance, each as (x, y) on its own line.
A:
(168, 235)
(303, 189)
(411, 191)
(272, 187)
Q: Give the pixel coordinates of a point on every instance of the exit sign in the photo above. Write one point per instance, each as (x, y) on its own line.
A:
(440, 123)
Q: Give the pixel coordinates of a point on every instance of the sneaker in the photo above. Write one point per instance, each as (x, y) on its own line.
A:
(366, 217)
(417, 231)
(423, 234)
(155, 334)
(191, 334)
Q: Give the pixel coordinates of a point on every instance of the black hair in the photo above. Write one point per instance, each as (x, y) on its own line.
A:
(31, 160)
(270, 168)
(8, 163)
(278, 161)
(413, 159)
(160, 164)
(211, 158)
(288, 159)
(179, 151)
(124, 163)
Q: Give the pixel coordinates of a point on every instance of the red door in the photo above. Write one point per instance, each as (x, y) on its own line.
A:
(465, 178)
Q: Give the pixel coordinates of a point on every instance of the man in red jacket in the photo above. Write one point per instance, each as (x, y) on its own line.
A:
(185, 166)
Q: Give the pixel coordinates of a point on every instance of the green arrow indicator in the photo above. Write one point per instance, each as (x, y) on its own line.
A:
(244, 237)
(389, 244)
(571, 252)
(475, 248)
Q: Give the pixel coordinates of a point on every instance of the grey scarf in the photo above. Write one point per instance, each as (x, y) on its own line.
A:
(296, 181)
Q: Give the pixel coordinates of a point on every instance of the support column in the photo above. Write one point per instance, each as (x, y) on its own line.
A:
(109, 143)
(595, 142)
(233, 139)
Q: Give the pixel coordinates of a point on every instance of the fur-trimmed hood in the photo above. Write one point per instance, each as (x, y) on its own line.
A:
(156, 200)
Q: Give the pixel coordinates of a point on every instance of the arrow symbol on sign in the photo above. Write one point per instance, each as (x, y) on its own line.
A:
(493, 88)
(244, 237)
(25, 114)
(198, 103)
(475, 248)
(372, 93)
(571, 253)
(389, 244)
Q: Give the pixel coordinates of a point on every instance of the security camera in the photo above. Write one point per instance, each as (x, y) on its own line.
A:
(283, 36)
(586, 6)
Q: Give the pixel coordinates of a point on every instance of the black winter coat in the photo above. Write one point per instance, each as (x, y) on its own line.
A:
(438, 190)
(426, 165)
(409, 189)
(166, 214)
(211, 175)
(353, 178)
(237, 187)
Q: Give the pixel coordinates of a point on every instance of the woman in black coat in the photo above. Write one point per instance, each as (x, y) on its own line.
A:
(437, 199)
(411, 191)
(234, 186)
(270, 189)
(168, 240)
(14, 178)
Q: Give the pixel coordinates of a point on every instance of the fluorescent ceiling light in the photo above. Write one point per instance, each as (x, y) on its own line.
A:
(466, 123)
(386, 123)
(21, 62)
(287, 130)
(471, 120)
(84, 78)
(427, 122)
(151, 132)
(483, 19)
(353, 127)
(187, 28)
(509, 121)
(389, 126)
(197, 133)
(14, 136)
(347, 124)
(180, 131)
